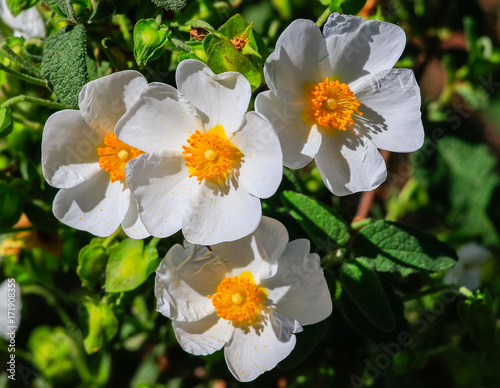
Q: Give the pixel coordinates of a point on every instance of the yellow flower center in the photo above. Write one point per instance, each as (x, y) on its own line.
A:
(211, 155)
(333, 104)
(239, 299)
(114, 155)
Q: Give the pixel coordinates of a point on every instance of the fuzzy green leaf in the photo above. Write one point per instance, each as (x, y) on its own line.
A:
(6, 123)
(64, 7)
(170, 4)
(64, 64)
(17, 6)
(393, 247)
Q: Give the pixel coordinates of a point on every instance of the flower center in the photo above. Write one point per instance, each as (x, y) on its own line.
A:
(333, 104)
(211, 155)
(239, 299)
(114, 155)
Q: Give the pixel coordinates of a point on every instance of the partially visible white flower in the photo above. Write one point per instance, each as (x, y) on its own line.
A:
(28, 24)
(467, 271)
(249, 296)
(82, 156)
(335, 98)
(207, 161)
(10, 315)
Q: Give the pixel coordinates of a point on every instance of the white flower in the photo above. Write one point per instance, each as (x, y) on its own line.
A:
(207, 163)
(249, 296)
(467, 271)
(28, 24)
(10, 307)
(334, 97)
(82, 156)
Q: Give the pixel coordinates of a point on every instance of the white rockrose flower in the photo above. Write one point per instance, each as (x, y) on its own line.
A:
(249, 296)
(10, 308)
(28, 24)
(467, 271)
(82, 156)
(335, 98)
(207, 162)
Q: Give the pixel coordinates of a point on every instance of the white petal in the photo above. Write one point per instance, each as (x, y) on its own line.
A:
(251, 353)
(261, 170)
(132, 224)
(299, 141)
(348, 163)
(391, 110)
(28, 24)
(162, 119)
(257, 253)
(357, 47)
(69, 150)
(299, 289)
(219, 99)
(184, 279)
(473, 254)
(160, 185)
(96, 206)
(217, 214)
(205, 336)
(296, 60)
(104, 100)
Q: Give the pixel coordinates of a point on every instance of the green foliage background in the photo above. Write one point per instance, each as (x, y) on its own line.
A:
(88, 316)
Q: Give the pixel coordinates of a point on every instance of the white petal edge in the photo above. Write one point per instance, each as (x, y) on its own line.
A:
(220, 99)
(349, 163)
(69, 150)
(205, 336)
(261, 170)
(184, 279)
(132, 225)
(161, 119)
(104, 100)
(299, 142)
(390, 103)
(97, 206)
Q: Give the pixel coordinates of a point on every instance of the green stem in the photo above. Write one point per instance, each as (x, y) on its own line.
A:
(428, 291)
(322, 19)
(24, 77)
(6, 51)
(110, 239)
(27, 123)
(49, 298)
(39, 101)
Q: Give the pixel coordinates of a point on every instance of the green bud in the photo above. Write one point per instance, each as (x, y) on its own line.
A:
(149, 39)
(99, 325)
(92, 261)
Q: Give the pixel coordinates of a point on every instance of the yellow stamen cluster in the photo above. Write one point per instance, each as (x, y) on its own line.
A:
(239, 299)
(114, 155)
(211, 155)
(333, 104)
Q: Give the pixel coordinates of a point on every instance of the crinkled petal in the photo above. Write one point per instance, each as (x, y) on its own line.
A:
(97, 206)
(262, 168)
(299, 289)
(299, 141)
(296, 60)
(104, 100)
(205, 336)
(69, 150)
(160, 185)
(162, 119)
(220, 213)
(357, 47)
(253, 352)
(257, 253)
(184, 279)
(132, 224)
(349, 164)
(219, 99)
(390, 103)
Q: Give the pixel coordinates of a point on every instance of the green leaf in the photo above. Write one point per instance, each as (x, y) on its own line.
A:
(149, 39)
(393, 247)
(352, 7)
(63, 6)
(364, 288)
(99, 325)
(6, 123)
(170, 4)
(10, 206)
(103, 10)
(127, 266)
(64, 64)
(324, 227)
(92, 261)
(17, 6)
